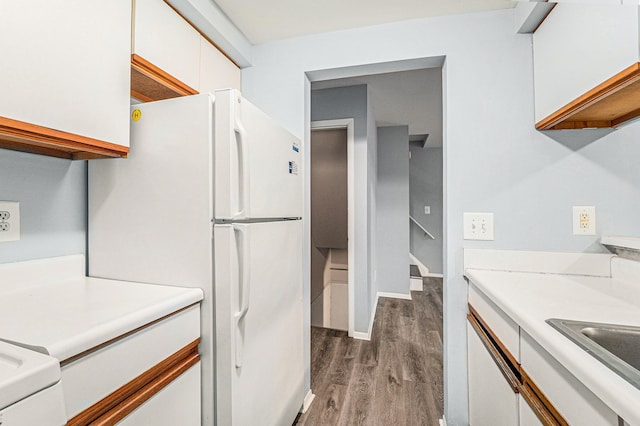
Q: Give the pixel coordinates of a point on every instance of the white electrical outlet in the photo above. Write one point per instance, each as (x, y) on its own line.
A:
(9, 221)
(584, 220)
(478, 226)
(427, 209)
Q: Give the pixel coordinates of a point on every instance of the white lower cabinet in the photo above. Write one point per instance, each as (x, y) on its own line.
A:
(148, 376)
(577, 404)
(530, 390)
(176, 404)
(492, 401)
(526, 415)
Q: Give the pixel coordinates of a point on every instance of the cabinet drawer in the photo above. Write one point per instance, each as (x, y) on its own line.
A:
(176, 404)
(94, 375)
(577, 404)
(502, 327)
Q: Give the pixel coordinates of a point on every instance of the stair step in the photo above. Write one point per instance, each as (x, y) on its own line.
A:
(414, 271)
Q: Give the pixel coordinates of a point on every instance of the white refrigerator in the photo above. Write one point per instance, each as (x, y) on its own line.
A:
(211, 197)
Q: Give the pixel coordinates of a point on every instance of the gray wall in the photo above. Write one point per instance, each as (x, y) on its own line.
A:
(351, 102)
(393, 209)
(494, 159)
(328, 176)
(53, 205)
(425, 188)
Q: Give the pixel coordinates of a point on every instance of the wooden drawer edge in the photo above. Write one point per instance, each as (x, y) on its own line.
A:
(503, 359)
(494, 337)
(128, 397)
(541, 406)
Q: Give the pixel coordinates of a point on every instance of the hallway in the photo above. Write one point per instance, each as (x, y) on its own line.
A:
(394, 379)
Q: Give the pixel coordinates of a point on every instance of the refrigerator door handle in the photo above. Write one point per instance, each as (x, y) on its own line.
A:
(241, 140)
(245, 288)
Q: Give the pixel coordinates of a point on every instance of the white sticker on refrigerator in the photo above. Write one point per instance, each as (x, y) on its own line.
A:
(293, 168)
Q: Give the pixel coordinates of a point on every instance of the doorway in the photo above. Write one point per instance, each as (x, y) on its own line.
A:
(332, 251)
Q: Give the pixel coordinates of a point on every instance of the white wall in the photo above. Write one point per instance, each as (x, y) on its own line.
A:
(393, 210)
(425, 188)
(494, 159)
(53, 205)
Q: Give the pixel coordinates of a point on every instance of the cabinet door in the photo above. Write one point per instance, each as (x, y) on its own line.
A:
(166, 40)
(216, 70)
(177, 404)
(65, 66)
(492, 401)
(578, 47)
(527, 416)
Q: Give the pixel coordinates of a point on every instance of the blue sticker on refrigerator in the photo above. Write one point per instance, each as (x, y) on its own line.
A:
(293, 168)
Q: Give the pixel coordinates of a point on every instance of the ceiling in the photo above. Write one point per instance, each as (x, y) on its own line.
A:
(267, 20)
(412, 98)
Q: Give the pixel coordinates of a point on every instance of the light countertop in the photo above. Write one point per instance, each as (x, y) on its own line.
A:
(530, 298)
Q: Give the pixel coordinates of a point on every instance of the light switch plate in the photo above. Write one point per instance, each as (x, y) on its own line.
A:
(427, 209)
(584, 220)
(9, 221)
(478, 226)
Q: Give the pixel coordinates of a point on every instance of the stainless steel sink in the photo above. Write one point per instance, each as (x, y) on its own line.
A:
(616, 346)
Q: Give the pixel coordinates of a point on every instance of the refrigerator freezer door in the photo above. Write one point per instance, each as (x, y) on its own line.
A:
(258, 297)
(257, 163)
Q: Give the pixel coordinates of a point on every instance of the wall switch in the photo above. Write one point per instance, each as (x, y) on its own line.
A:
(9, 221)
(478, 226)
(427, 209)
(584, 220)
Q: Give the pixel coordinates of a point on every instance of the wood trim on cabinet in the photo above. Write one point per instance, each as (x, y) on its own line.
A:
(540, 404)
(507, 369)
(150, 83)
(118, 404)
(493, 337)
(26, 137)
(607, 105)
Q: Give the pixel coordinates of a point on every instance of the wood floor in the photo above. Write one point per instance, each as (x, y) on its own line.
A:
(394, 379)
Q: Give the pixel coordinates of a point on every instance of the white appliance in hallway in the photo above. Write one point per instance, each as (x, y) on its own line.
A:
(211, 197)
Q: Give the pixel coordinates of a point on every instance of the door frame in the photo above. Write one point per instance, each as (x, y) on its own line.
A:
(347, 123)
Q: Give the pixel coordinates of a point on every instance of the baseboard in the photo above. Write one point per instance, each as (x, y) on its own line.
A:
(394, 295)
(415, 284)
(367, 336)
(423, 269)
(434, 275)
(308, 399)
(442, 421)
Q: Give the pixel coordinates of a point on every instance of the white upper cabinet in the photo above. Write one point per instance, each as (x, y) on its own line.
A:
(65, 77)
(585, 59)
(166, 40)
(216, 70)
(170, 57)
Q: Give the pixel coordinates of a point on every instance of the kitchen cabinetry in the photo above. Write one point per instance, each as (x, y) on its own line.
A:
(216, 70)
(526, 388)
(586, 66)
(166, 52)
(170, 58)
(65, 77)
(493, 398)
(108, 385)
